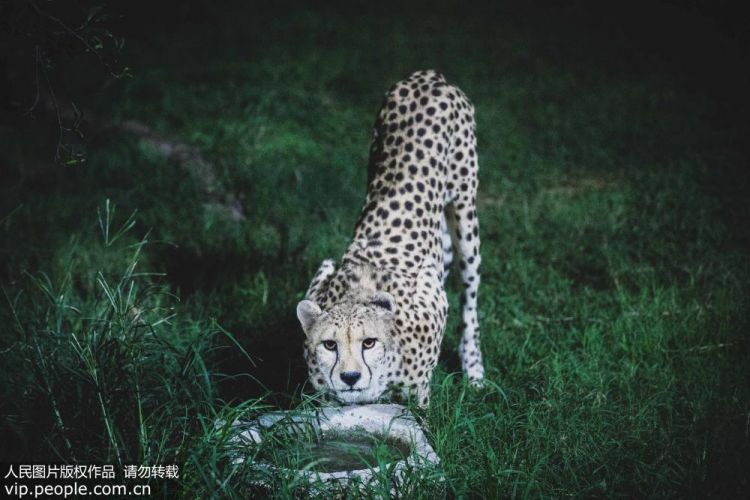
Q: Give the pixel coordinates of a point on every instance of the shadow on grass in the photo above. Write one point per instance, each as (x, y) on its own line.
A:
(276, 371)
(192, 270)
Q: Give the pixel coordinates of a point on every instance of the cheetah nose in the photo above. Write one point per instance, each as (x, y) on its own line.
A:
(350, 378)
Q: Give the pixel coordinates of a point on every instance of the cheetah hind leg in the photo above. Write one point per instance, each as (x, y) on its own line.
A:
(447, 241)
(465, 228)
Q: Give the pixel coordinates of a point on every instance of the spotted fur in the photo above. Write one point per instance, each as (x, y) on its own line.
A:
(384, 309)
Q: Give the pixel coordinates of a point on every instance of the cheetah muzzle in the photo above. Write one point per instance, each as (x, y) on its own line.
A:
(374, 324)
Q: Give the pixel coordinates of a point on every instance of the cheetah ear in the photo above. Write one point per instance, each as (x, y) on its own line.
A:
(307, 313)
(384, 300)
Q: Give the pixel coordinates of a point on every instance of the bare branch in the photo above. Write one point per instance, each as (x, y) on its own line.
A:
(80, 39)
(36, 79)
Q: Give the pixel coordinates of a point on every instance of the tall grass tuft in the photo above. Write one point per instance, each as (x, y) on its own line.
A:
(116, 374)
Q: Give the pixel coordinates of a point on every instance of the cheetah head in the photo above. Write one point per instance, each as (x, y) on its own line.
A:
(349, 348)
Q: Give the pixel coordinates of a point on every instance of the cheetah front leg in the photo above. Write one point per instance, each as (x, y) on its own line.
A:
(423, 395)
(466, 227)
(325, 271)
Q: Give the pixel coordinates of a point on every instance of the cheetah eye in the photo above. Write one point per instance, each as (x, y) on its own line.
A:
(368, 343)
(330, 345)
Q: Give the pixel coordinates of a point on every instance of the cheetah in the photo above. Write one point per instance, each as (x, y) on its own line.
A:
(374, 325)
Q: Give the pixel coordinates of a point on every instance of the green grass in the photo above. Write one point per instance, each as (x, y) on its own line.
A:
(614, 297)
